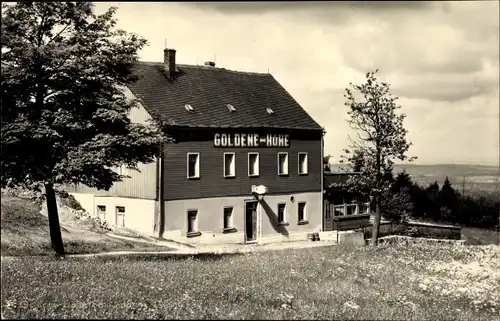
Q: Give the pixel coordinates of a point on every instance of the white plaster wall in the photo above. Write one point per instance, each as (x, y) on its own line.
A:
(210, 218)
(86, 201)
(139, 213)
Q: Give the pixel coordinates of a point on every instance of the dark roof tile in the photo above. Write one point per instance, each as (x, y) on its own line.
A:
(208, 90)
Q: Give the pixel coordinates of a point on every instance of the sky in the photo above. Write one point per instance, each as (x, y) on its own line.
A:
(441, 59)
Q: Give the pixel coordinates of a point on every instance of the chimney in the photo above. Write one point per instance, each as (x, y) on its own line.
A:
(210, 63)
(169, 61)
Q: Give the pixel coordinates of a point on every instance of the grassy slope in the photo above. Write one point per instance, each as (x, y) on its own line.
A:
(389, 282)
(479, 236)
(24, 231)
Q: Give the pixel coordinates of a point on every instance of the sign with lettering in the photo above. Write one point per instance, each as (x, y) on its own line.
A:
(251, 140)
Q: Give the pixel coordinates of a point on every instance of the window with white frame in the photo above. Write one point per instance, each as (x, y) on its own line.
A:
(253, 164)
(192, 224)
(301, 211)
(120, 216)
(101, 212)
(282, 163)
(302, 163)
(281, 213)
(229, 165)
(228, 217)
(193, 165)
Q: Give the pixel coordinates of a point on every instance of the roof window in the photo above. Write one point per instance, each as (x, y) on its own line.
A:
(188, 107)
(270, 111)
(231, 107)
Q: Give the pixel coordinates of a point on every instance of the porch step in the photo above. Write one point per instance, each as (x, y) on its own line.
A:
(328, 236)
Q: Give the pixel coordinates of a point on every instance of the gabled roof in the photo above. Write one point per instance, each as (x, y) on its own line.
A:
(209, 90)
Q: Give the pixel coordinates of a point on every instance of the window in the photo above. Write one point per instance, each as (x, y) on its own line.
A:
(328, 210)
(281, 213)
(302, 212)
(231, 107)
(188, 107)
(282, 163)
(302, 163)
(193, 164)
(364, 208)
(229, 165)
(192, 223)
(351, 209)
(339, 210)
(253, 164)
(120, 216)
(270, 111)
(101, 212)
(228, 218)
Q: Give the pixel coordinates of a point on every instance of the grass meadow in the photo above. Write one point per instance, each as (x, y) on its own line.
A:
(415, 282)
(403, 282)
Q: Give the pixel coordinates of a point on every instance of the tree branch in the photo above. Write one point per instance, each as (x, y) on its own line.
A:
(39, 39)
(60, 32)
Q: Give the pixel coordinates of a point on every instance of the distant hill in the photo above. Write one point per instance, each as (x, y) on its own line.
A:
(468, 177)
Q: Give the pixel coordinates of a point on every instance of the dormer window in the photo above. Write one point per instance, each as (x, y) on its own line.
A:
(270, 111)
(230, 107)
(188, 107)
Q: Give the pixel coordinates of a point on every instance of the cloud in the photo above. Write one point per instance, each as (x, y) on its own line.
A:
(440, 57)
(452, 87)
(317, 6)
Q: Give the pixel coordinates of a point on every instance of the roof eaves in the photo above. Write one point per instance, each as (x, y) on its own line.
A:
(247, 127)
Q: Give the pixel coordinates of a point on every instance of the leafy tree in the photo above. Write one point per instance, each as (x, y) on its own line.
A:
(381, 139)
(64, 111)
(397, 206)
(357, 161)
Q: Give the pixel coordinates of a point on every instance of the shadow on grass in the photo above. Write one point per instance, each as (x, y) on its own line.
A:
(154, 257)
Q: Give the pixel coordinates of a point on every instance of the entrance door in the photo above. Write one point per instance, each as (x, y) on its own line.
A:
(250, 221)
(328, 213)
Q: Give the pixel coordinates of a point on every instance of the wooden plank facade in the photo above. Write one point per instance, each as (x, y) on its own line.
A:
(212, 182)
(141, 184)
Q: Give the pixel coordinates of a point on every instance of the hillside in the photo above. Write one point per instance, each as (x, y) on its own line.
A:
(469, 177)
(25, 231)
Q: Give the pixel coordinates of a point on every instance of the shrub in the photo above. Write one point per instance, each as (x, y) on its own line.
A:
(70, 201)
(396, 207)
(412, 231)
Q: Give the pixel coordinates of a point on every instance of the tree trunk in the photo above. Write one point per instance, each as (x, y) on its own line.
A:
(378, 217)
(55, 228)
